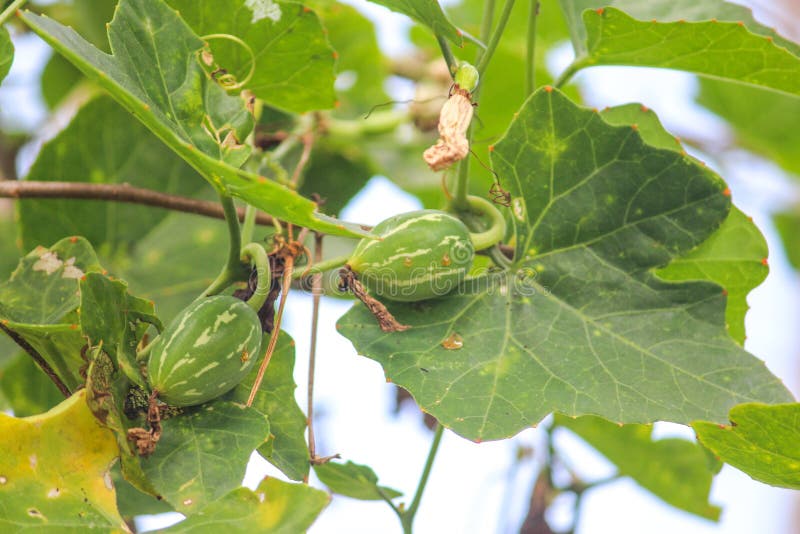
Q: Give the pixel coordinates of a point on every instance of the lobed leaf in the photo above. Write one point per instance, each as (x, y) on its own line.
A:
(582, 325)
(38, 304)
(275, 506)
(286, 448)
(760, 440)
(289, 53)
(675, 470)
(179, 102)
(54, 472)
(715, 39)
(203, 453)
(733, 257)
(353, 480)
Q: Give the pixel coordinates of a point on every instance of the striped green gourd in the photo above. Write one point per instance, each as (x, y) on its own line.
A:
(205, 352)
(419, 255)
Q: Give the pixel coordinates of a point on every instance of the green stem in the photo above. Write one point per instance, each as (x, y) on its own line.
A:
(232, 271)
(486, 25)
(257, 256)
(530, 68)
(486, 57)
(10, 10)
(408, 515)
(390, 503)
(249, 223)
(568, 73)
(321, 267)
(497, 223)
(447, 53)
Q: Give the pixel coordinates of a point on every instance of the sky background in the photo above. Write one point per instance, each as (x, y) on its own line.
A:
(480, 488)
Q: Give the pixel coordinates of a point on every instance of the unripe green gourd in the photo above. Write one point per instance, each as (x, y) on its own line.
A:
(419, 255)
(206, 351)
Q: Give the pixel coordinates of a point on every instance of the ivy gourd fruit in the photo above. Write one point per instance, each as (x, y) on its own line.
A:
(205, 352)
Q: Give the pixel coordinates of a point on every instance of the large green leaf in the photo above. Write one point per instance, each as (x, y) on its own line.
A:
(714, 38)
(6, 52)
(760, 440)
(583, 326)
(203, 453)
(675, 470)
(428, 13)
(293, 65)
(733, 257)
(38, 304)
(102, 144)
(155, 73)
(54, 472)
(286, 448)
(353, 480)
(763, 121)
(275, 506)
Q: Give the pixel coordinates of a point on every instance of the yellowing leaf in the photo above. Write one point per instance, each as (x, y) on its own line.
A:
(54, 471)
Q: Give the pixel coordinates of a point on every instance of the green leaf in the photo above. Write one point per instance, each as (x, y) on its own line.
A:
(428, 13)
(203, 453)
(107, 395)
(286, 448)
(293, 68)
(6, 52)
(762, 121)
(675, 470)
(275, 506)
(760, 440)
(788, 225)
(733, 257)
(54, 472)
(113, 318)
(38, 304)
(178, 102)
(103, 144)
(715, 39)
(353, 480)
(582, 327)
(28, 390)
(132, 502)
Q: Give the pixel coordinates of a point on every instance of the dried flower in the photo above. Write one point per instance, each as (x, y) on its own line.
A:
(454, 120)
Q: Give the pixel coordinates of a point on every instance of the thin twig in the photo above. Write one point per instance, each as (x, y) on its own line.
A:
(119, 193)
(40, 361)
(316, 293)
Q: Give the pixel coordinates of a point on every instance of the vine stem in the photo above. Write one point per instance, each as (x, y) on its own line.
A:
(316, 293)
(408, 515)
(568, 73)
(257, 256)
(248, 223)
(447, 53)
(120, 193)
(10, 10)
(486, 57)
(486, 24)
(483, 57)
(530, 68)
(233, 269)
(322, 266)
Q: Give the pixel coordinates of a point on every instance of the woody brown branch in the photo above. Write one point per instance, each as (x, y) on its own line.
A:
(119, 193)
